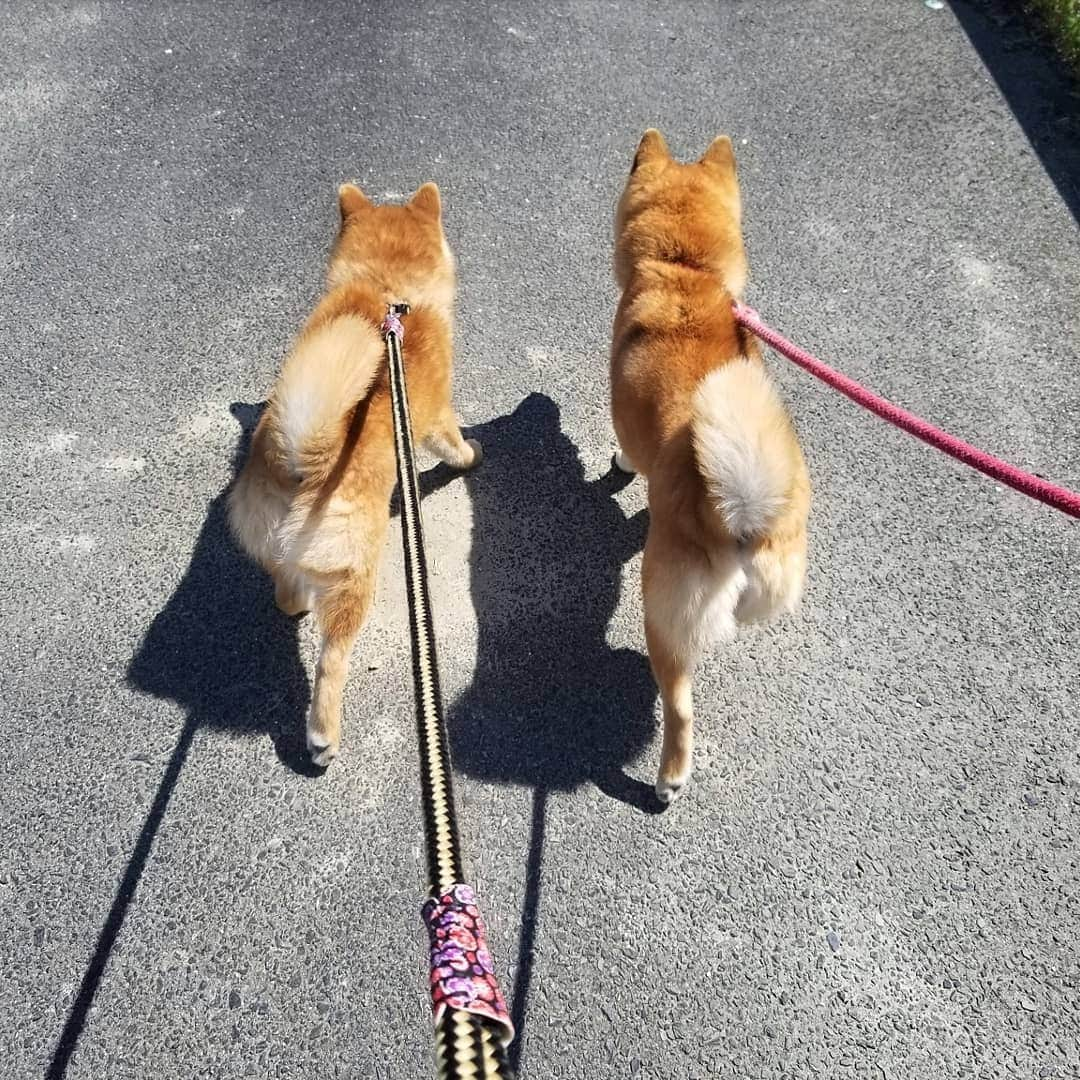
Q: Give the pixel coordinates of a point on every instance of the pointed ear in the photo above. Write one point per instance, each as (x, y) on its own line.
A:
(720, 153)
(651, 148)
(351, 200)
(427, 200)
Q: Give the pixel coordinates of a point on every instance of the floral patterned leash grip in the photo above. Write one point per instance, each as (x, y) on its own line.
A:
(462, 974)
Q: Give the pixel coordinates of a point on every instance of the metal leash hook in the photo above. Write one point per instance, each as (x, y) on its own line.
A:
(472, 1024)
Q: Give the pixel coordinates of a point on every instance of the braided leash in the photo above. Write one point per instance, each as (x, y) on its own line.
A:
(1035, 487)
(472, 1025)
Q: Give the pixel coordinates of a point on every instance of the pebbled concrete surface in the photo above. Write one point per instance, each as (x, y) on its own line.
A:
(874, 873)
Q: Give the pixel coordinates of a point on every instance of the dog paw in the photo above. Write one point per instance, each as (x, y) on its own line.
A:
(667, 791)
(321, 749)
(622, 462)
(477, 453)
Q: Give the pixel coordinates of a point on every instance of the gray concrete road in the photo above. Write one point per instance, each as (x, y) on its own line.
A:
(875, 871)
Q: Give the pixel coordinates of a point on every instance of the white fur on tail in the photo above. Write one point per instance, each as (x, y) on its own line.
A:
(327, 373)
(739, 429)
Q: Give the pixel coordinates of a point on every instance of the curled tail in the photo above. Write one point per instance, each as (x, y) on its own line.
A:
(329, 370)
(742, 436)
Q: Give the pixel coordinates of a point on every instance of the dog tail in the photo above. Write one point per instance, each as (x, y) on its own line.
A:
(329, 371)
(741, 434)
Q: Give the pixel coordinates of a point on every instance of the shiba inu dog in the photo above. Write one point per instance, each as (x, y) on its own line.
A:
(695, 412)
(312, 502)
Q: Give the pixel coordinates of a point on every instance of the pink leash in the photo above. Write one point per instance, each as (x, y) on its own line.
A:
(1058, 497)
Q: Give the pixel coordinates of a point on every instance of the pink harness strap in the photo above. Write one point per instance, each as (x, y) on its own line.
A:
(1034, 486)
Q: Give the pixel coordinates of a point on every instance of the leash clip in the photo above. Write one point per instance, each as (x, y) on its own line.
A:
(392, 323)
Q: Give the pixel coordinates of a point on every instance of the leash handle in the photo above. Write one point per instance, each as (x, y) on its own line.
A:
(1035, 487)
(472, 1023)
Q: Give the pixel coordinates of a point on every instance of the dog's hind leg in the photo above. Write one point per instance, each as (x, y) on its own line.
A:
(341, 611)
(671, 633)
(688, 604)
(674, 677)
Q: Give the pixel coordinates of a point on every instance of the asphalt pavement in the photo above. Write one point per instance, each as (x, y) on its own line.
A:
(874, 872)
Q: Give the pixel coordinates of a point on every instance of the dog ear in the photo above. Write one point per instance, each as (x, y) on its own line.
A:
(651, 148)
(720, 153)
(351, 200)
(427, 200)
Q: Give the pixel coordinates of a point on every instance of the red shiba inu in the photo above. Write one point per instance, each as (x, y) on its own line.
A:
(312, 501)
(695, 412)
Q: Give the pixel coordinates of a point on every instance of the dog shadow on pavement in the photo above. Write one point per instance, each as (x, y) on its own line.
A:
(222, 651)
(220, 648)
(552, 706)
